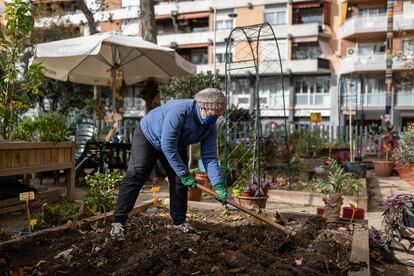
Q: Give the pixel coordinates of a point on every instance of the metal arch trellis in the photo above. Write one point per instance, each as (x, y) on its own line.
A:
(251, 52)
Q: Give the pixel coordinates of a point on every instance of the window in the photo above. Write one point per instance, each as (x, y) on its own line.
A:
(312, 90)
(366, 12)
(404, 91)
(132, 99)
(308, 15)
(221, 53)
(306, 50)
(408, 47)
(269, 50)
(375, 88)
(276, 16)
(271, 87)
(199, 56)
(371, 49)
(224, 24)
(129, 3)
(129, 27)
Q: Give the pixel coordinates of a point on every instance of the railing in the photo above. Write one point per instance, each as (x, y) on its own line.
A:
(364, 24)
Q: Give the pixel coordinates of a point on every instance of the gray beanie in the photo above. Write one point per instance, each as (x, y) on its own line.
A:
(211, 98)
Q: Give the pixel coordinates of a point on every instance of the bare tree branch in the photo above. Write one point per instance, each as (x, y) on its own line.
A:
(81, 5)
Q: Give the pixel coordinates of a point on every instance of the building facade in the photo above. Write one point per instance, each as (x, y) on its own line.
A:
(333, 51)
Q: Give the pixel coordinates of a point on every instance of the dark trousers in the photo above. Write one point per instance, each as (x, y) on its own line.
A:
(142, 160)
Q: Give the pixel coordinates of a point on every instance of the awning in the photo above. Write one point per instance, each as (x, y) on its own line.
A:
(193, 45)
(193, 15)
(306, 5)
(163, 16)
(305, 39)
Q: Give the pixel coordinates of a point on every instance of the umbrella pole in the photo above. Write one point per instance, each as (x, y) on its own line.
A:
(113, 73)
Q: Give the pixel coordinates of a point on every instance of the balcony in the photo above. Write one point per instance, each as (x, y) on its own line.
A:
(181, 7)
(360, 63)
(184, 38)
(358, 25)
(361, 25)
(308, 66)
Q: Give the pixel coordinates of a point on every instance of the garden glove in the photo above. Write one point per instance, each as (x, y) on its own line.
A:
(221, 191)
(188, 181)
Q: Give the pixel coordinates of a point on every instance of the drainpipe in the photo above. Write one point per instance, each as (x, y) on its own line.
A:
(389, 105)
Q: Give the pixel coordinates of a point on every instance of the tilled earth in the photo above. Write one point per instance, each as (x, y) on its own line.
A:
(224, 244)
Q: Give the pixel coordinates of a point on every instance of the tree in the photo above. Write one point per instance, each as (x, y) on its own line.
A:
(14, 88)
(150, 91)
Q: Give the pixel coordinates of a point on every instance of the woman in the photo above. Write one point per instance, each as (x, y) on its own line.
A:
(164, 134)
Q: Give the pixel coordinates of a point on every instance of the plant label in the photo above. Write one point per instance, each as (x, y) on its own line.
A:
(27, 196)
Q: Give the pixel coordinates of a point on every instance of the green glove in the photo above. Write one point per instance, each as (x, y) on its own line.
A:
(188, 181)
(221, 191)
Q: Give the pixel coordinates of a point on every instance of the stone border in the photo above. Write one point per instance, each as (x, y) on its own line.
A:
(315, 199)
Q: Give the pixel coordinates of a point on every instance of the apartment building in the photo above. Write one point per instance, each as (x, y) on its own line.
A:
(304, 33)
(363, 37)
(333, 51)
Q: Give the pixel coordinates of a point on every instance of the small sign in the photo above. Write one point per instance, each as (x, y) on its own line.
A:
(27, 196)
(315, 117)
(33, 222)
(353, 113)
(155, 189)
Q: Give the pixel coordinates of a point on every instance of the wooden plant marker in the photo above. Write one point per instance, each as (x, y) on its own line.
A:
(155, 190)
(27, 197)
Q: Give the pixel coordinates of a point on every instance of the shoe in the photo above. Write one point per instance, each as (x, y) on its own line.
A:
(117, 230)
(184, 227)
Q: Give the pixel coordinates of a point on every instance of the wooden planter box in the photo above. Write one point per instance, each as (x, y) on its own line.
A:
(18, 158)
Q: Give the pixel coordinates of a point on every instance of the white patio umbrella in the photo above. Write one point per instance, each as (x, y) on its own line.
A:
(103, 58)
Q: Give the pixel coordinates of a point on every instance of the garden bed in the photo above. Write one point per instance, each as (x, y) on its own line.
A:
(225, 243)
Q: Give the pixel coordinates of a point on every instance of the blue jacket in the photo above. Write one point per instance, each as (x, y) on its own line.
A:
(174, 126)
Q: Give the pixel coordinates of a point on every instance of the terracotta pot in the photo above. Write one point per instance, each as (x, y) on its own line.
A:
(347, 213)
(247, 194)
(251, 201)
(383, 168)
(194, 194)
(405, 172)
(320, 211)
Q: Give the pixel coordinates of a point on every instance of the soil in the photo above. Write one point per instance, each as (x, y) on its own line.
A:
(223, 244)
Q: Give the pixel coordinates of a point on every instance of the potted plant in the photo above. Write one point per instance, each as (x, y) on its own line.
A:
(404, 155)
(398, 217)
(384, 168)
(333, 186)
(237, 190)
(16, 87)
(255, 195)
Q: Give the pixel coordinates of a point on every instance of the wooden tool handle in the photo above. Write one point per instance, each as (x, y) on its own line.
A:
(289, 231)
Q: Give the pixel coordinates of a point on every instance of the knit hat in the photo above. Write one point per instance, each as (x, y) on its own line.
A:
(211, 98)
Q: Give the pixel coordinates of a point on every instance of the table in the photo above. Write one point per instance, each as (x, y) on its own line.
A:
(110, 156)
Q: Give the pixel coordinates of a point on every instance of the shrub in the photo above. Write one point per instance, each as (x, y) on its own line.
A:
(101, 195)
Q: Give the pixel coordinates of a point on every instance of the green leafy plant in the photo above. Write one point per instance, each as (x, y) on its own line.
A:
(337, 180)
(308, 143)
(404, 153)
(186, 87)
(46, 128)
(101, 195)
(56, 214)
(14, 87)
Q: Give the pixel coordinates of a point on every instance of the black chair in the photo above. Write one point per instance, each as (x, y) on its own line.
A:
(85, 131)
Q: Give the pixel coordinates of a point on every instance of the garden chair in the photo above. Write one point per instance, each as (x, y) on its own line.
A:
(86, 131)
